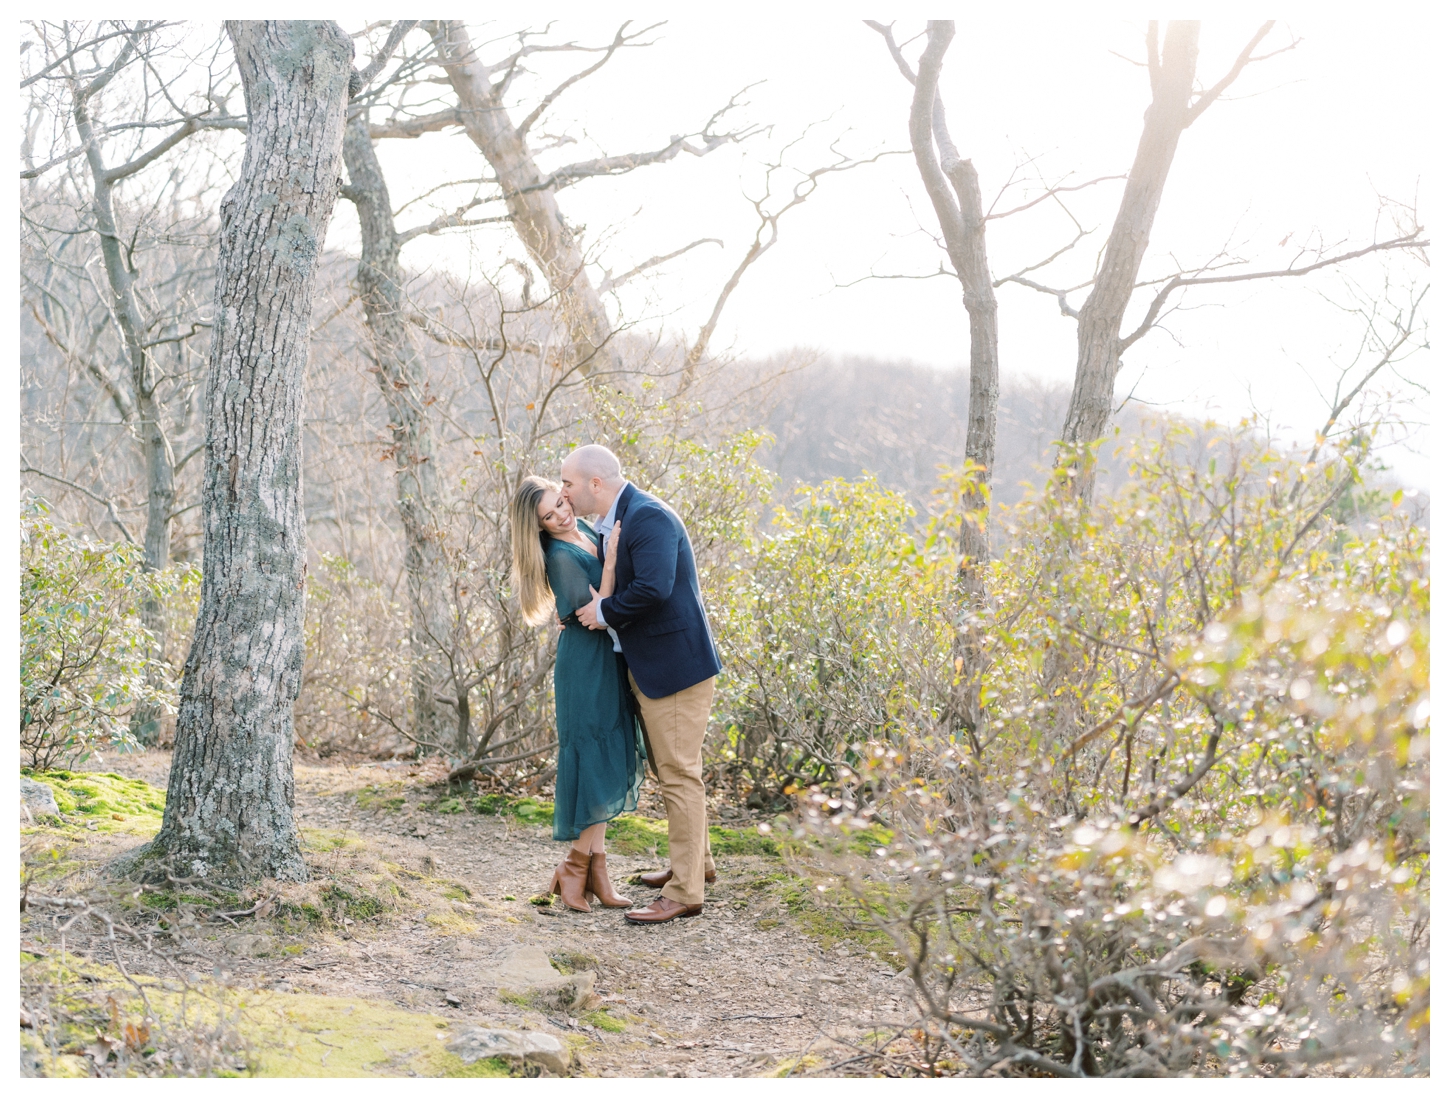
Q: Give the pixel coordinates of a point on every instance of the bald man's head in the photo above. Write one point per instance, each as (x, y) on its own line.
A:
(594, 461)
(592, 478)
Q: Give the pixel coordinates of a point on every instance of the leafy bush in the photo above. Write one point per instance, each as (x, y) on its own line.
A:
(1190, 832)
(84, 654)
(828, 627)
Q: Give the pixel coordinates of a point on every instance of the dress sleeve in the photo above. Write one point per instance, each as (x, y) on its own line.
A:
(568, 581)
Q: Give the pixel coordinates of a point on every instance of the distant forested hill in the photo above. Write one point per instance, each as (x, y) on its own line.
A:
(899, 420)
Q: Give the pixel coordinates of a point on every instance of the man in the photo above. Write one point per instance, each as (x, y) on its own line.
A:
(658, 621)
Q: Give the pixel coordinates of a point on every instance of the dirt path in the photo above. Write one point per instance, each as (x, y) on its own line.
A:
(743, 990)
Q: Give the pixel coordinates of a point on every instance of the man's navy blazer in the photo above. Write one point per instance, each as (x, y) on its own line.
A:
(656, 608)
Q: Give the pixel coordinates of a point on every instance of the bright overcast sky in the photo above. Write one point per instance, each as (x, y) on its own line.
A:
(1298, 152)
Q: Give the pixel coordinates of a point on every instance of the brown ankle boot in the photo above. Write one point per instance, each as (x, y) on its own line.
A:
(600, 885)
(571, 879)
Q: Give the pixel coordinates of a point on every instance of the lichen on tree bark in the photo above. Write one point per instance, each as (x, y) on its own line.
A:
(229, 799)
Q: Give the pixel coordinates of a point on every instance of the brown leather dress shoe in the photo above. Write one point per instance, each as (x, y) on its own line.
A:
(663, 910)
(661, 877)
(571, 878)
(599, 884)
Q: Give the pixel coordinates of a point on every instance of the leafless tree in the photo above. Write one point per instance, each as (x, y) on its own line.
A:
(956, 197)
(105, 89)
(528, 191)
(403, 384)
(1177, 102)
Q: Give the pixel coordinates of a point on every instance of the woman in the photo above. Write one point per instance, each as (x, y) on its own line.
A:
(601, 751)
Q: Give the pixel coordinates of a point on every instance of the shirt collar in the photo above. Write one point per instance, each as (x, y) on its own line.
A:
(607, 523)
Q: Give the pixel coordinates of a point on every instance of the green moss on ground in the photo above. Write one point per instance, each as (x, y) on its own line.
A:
(826, 912)
(569, 962)
(382, 797)
(322, 1036)
(450, 922)
(797, 1065)
(276, 1034)
(602, 1019)
(322, 840)
(638, 835)
(103, 802)
(626, 834)
(90, 1007)
(495, 1067)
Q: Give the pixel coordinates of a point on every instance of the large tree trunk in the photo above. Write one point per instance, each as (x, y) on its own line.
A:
(541, 227)
(1100, 321)
(229, 800)
(156, 456)
(400, 377)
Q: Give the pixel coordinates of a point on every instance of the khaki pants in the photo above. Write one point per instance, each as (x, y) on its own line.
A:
(675, 728)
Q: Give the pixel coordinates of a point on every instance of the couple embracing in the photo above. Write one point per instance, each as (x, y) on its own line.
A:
(634, 649)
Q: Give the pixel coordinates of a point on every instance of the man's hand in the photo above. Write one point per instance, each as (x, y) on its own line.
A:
(588, 614)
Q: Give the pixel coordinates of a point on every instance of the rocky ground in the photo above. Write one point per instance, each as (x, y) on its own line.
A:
(758, 985)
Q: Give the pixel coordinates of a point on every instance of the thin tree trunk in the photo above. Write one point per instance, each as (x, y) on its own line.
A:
(400, 377)
(229, 799)
(534, 210)
(1100, 321)
(156, 456)
(956, 197)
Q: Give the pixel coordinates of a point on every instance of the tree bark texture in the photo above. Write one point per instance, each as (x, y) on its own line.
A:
(229, 799)
(1100, 321)
(400, 377)
(532, 205)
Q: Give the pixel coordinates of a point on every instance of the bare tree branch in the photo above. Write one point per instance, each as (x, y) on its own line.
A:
(1061, 295)
(1204, 101)
(109, 504)
(416, 127)
(450, 221)
(395, 37)
(90, 43)
(611, 281)
(767, 233)
(1052, 193)
(620, 39)
(884, 30)
(1409, 240)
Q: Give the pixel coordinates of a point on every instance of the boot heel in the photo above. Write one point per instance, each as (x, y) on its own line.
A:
(571, 881)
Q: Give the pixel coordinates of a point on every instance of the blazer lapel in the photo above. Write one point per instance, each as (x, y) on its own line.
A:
(626, 494)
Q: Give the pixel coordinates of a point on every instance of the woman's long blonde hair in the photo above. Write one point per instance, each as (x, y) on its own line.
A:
(535, 596)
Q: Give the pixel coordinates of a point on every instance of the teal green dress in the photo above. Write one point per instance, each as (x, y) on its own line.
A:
(601, 748)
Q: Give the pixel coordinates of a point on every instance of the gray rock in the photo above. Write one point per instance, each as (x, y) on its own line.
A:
(249, 945)
(536, 1048)
(36, 799)
(525, 970)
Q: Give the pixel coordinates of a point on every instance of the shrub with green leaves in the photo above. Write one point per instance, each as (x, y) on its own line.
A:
(84, 654)
(1190, 832)
(829, 628)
